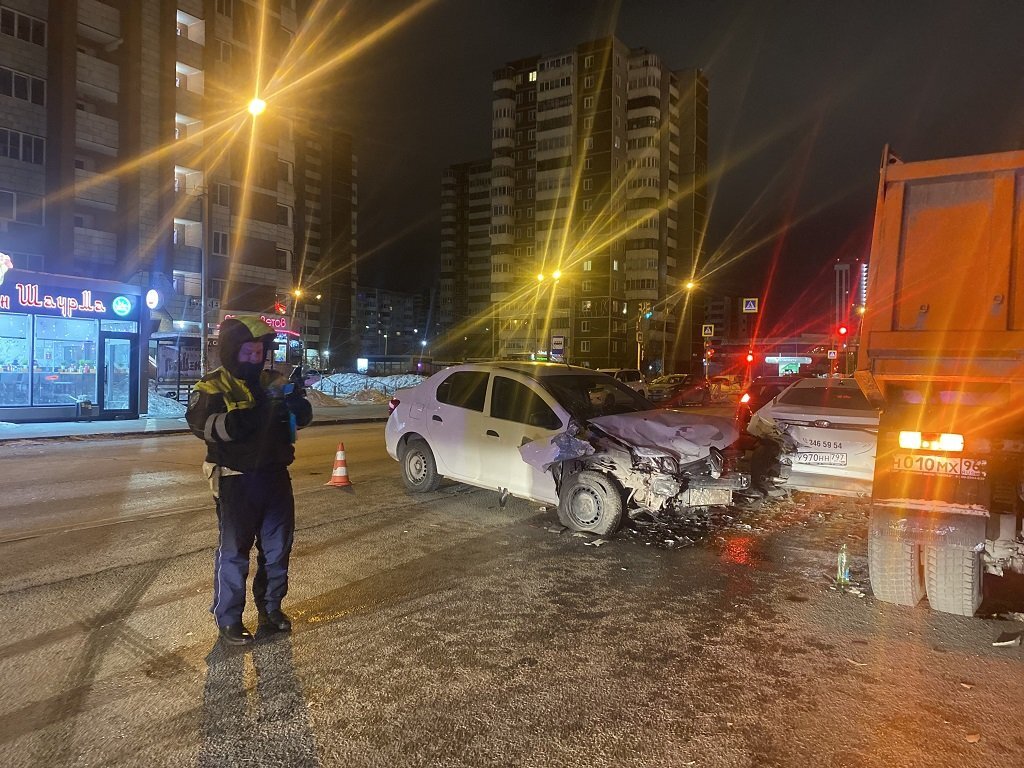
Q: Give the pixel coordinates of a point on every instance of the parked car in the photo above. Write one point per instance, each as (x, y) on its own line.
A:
(679, 389)
(825, 430)
(631, 377)
(560, 435)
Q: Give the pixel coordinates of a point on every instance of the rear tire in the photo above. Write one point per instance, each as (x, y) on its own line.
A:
(894, 567)
(419, 470)
(590, 502)
(953, 579)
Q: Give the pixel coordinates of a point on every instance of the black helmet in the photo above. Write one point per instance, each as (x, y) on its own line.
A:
(236, 331)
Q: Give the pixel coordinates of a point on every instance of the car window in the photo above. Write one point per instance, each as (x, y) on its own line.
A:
(850, 398)
(514, 401)
(630, 376)
(588, 396)
(465, 389)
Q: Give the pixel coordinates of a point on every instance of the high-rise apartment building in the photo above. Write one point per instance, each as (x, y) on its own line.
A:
(464, 308)
(127, 154)
(598, 204)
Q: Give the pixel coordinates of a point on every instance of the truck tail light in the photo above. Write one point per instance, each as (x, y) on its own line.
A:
(932, 441)
(392, 404)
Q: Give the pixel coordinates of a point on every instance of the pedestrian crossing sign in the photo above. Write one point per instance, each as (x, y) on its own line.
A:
(750, 306)
(707, 330)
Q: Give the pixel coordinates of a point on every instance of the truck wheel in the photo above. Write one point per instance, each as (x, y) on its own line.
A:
(894, 567)
(953, 579)
(419, 470)
(590, 502)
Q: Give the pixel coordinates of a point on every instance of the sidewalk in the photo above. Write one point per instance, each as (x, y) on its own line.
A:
(335, 414)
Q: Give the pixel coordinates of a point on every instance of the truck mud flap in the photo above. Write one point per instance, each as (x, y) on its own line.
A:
(928, 529)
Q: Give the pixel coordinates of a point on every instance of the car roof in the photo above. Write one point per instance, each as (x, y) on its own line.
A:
(616, 370)
(537, 370)
(817, 383)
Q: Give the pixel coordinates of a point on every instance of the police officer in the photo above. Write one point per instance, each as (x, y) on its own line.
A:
(247, 416)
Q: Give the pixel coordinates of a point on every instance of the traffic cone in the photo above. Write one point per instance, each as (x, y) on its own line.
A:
(339, 475)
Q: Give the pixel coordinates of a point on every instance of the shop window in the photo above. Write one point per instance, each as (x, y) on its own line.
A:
(64, 361)
(14, 359)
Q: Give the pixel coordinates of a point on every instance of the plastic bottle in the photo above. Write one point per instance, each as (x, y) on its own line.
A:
(842, 569)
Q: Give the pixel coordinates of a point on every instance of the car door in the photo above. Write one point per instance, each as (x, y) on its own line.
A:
(455, 424)
(519, 412)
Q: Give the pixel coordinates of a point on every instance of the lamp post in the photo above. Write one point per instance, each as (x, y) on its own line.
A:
(204, 267)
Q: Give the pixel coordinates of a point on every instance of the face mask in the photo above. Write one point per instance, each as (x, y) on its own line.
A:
(250, 372)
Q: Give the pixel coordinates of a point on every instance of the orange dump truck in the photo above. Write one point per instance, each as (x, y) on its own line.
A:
(941, 354)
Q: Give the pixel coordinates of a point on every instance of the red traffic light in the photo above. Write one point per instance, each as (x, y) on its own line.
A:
(280, 308)
(842, 330)
(710, 352)
(750, 357)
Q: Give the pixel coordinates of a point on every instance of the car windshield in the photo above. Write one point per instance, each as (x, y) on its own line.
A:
(672, 380)
(847, 398)
(589, 396)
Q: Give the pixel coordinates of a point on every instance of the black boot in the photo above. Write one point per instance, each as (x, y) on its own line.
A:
(275, 620)
(235, 634)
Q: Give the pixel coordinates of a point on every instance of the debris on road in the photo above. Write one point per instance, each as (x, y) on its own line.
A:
(595, 543)
(972, 738)
(1007, 638)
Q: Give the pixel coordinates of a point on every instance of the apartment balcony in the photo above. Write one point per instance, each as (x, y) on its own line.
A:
(189, 52)
(97, 245)
(98, 22)
(97, 78)
(188, 102)
(188, 258)
(96, 189)
(100, 134)
(188, 205)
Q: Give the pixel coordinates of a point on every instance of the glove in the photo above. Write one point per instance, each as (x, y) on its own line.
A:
(300, 407)
(242, 423)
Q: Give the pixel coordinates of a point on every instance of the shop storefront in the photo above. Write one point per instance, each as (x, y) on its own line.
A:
(69, 347)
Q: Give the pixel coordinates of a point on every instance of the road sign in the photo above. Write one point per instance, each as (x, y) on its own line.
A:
(750, 306)
(707, 330)
(832, 354)
(557, 348)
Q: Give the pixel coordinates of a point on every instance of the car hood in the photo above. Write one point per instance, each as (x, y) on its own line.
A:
(686, 436)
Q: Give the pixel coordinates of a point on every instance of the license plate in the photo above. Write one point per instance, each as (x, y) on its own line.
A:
(939, 465)
(831, 459)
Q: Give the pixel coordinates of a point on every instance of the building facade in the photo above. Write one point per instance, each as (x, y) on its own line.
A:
(598, 205)
(127, 155)
(465, 315)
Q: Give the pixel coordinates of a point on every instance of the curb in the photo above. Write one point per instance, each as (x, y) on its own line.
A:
(172, 431)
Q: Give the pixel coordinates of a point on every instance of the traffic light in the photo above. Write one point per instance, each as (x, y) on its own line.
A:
(710, 352)
(750, 357)
(842, 330)
(648, 314)
(280, 308)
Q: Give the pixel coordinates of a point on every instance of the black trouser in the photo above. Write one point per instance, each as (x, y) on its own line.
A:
(258, 508)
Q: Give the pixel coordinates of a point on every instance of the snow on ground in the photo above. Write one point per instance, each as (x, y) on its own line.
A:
(161, 407)
(356, 387)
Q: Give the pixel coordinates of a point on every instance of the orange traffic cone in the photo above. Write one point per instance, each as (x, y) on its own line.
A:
(339, 475)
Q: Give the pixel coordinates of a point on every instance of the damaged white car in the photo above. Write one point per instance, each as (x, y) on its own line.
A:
(560, 435)
(816, 435)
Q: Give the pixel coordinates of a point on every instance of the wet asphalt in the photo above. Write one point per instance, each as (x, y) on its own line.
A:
(445, 630)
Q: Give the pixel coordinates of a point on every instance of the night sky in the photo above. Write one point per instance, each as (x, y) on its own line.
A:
(803, 97)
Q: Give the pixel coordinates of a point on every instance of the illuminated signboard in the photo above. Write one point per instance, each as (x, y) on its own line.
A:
(41, 299)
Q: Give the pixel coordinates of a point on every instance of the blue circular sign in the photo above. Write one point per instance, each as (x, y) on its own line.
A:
(121, 305)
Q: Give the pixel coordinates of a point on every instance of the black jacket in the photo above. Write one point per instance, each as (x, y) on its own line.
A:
(246, 430)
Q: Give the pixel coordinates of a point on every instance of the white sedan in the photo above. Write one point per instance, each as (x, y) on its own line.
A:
(558, 434)
(823, 431)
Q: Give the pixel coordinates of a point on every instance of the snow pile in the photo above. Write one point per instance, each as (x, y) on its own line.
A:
(359, 388)
(161, 407)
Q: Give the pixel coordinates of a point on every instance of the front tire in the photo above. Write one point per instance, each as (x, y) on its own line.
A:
(590, 502)
(953, 579)
(419, 470)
